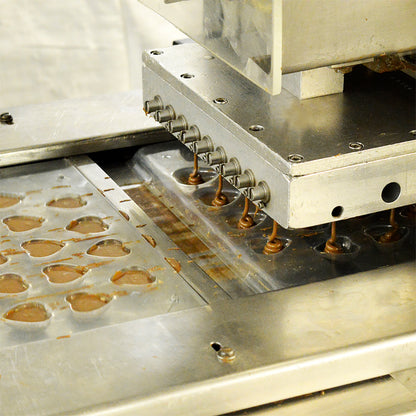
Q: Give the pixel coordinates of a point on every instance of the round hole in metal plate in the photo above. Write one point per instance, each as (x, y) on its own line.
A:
(390, 192)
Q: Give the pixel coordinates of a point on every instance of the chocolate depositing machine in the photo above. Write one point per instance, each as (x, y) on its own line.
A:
(276, 233)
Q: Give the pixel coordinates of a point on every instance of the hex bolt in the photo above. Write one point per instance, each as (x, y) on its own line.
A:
(203, 146)
(191, 135)
(151, 106)
(245, 180)
(217, 157)
(165, 115)
(261, 192)
(231, 168)
(176, 125)
(226, 354)
(6, 118)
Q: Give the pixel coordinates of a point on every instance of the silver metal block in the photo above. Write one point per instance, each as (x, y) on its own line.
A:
(305, 150)
(314, 83)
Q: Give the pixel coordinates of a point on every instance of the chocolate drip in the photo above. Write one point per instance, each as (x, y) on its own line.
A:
(274, 245)
(220, 198)
(195, 177)
(394, 233)
(331, 246)
(246, 221)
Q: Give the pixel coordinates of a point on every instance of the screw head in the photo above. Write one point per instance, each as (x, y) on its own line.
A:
(295, 158)
(6, 118)
(256, 127)
(186, 75)
(226, 354)
(356, 146)
(220, 100)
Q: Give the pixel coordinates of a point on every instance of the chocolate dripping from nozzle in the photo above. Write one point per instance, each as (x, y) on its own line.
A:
(331, 246)
(220, 198)
(246, 220)
(274, 245)
(195, 177)
(394, 233)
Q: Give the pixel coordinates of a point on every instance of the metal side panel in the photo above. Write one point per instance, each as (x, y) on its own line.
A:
(68, 127)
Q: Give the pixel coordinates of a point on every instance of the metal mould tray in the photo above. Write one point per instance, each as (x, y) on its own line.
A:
(166, 167)
(36, 185)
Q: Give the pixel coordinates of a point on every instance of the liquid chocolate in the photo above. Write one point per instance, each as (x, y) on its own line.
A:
(331, 246)
(62, 273)
(7, 201)
(274, 245)
(108, 248)
(42, 248)
(22, 223)
(220, 198)
(87, 225)
(28, 312)
(12, 283)
(132, 277)
(246, 220)
(195, 177)
(86, 302)
(393, 234)
(67, 202)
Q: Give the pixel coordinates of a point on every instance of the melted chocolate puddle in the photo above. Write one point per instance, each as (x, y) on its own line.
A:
(20, 223)
(67, 202)
(7, 201)
(42, 248)
(28, 312)
(63, 273)
(86, 302)
(108, 248)
(12, 283)
(87, 225)
(132, 277)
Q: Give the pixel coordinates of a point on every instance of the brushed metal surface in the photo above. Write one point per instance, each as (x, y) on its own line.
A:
(75, 126)
(287, 343)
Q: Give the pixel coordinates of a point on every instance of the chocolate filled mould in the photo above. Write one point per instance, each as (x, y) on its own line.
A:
(302, 258)
(78, 243)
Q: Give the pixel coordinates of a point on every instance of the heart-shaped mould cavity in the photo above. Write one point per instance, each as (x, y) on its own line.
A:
(21, 223)
(350, 250)
(8, 200)
(377, 231)
(42, 248)
(11, 283)
(133, 279)
(67, 202)
(86, 306)
(108, 248)
(29, 316)
(87, 225)
(182, 175)
(63, 273)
